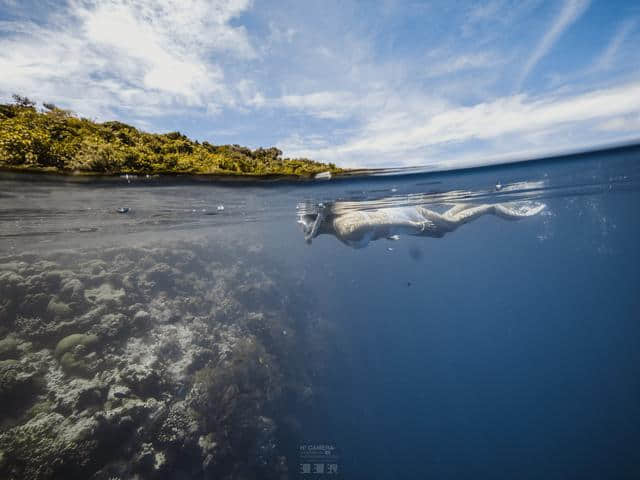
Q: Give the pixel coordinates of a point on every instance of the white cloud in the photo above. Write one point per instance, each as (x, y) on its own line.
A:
(487, 10)
(571, 11)
(155, 54)
(278, 34)
(470, 61)
(405, 138)
(139, 26)
(327, 105)
(606, 59)
(625, 123)
(248, 94)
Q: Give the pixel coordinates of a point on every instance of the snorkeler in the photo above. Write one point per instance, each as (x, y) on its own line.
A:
(357, 227)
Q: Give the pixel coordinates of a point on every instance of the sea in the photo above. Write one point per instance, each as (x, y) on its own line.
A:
(470, 324)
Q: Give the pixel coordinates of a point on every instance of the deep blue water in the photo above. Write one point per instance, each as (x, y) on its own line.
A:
(503, 349)
(514, 353)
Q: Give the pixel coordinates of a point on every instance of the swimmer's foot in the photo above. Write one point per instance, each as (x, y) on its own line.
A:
(518, 210)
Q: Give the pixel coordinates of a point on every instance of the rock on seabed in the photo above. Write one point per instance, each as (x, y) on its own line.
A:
(150, 363)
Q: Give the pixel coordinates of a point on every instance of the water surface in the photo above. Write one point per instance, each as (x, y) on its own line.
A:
(198, 335)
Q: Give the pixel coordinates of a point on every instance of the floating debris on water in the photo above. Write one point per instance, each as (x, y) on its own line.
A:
(389, 249)
(123, 210)
(393, 237)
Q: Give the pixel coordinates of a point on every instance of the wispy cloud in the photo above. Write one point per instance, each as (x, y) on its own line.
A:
(466, 61)
(387, 142)
(623, 123)
(156, 55)
(325, 104)
(606, 59)
(571, 11)
(618, 58)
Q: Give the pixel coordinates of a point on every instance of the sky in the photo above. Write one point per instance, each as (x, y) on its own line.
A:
(359, 83)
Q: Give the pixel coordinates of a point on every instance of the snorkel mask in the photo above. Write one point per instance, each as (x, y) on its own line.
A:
(311, 223)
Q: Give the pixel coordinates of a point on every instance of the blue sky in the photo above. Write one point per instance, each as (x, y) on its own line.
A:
(360, 83)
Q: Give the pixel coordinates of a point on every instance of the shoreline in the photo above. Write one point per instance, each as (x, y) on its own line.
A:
(52, 172)
(79, 176)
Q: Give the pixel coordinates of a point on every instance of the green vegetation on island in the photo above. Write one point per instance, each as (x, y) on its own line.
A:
(55, 140)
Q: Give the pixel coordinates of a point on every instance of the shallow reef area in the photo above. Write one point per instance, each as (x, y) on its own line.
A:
(153, 362)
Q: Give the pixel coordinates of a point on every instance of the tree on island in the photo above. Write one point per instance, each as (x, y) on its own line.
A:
(56, 140)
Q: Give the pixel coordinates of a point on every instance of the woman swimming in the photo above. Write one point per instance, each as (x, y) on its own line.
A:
(357, 227)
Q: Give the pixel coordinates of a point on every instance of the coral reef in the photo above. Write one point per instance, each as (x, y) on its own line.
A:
(164, 362)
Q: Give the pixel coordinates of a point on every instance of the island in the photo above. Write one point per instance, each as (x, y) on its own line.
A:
(55, 140)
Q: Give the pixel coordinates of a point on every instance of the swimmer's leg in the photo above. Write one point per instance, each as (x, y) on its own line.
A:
(456, 208)
(460, 214)
(455, 216)
(508, 211)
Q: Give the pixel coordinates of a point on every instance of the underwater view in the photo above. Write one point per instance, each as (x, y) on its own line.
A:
(478, 323)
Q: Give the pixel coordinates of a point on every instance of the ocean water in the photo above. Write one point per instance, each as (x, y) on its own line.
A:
(471, 324)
